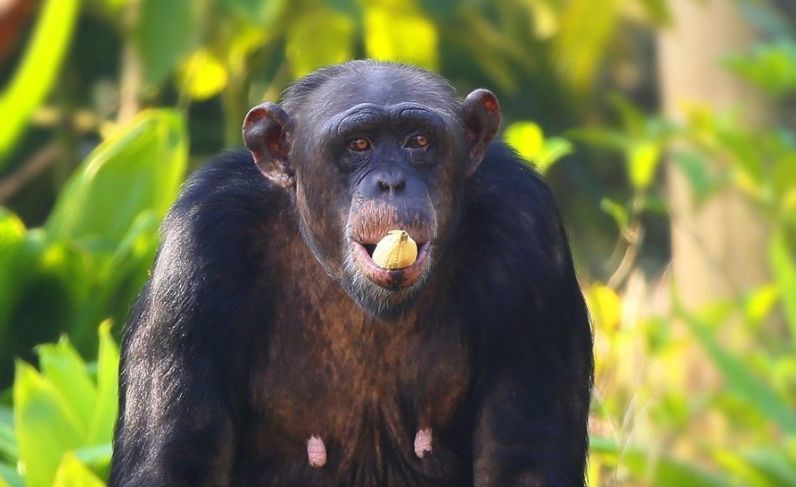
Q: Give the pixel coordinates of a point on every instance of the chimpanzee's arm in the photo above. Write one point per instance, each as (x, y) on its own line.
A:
(534, 343)
(531, 428)
(174, 426)
(182, 374)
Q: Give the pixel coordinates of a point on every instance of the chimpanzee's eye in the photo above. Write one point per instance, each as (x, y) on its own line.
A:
(359, 145)
(416, 141)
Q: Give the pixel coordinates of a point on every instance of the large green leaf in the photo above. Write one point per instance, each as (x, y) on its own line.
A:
(136, 170)
(784, 266)
(103, 415)
(36, 73)
(73, 473)
(8, 442)
(771, 67)
(45, 427)
(740, 380)
(12, 245)
(67, 372)
(317, 39)
(657, 470)
(164, 33)
(586, 28)
(9, 477)
(395, 31)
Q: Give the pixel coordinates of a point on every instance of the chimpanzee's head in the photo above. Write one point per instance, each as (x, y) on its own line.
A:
(366, 148)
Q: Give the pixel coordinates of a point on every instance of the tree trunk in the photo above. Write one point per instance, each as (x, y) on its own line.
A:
(718, 248)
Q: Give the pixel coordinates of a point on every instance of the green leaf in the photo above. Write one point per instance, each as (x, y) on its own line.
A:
(740, 380)
(317, 39)
(605, 307)
(586, 28)
(617, 211)
(643, 158)
(395, 31)
(526, 138)
(136, 170)
(96, 457)
(8, 443)
(658, 11)
(771, 67)
(655, 470)
(601, 137)
(202, 75)
(65, 370)
(72, 473)
(45, 426)
(773, 464)
(34, 77)
(784, 267)
(165, 32)
(104, 413)
(13, 264)
(9, 477)
(554, 149)
(695, 170)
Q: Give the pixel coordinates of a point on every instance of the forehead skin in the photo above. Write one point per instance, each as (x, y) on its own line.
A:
(327, 93)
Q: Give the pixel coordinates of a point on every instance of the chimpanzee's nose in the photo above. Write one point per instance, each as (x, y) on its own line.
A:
(384, 182)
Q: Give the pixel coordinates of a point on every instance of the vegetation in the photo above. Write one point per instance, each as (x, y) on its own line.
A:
(107, 104)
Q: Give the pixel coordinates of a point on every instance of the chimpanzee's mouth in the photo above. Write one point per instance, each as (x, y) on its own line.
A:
(394, 279)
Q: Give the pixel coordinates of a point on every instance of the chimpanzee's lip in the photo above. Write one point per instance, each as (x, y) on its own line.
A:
(390, 279)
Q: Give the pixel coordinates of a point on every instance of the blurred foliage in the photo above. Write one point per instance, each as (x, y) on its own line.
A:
(63, 417)
(101, 97)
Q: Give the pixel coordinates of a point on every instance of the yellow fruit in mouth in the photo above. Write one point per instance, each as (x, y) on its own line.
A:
(395, 251)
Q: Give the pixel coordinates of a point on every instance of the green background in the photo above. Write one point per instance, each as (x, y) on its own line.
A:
(665, 128)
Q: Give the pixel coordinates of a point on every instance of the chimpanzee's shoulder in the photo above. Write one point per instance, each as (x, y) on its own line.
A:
(505, 186)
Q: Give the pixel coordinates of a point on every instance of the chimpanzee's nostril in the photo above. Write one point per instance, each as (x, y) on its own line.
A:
(391, 185)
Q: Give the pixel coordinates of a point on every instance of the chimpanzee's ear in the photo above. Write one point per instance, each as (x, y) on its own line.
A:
(265, 134)
(481, 120)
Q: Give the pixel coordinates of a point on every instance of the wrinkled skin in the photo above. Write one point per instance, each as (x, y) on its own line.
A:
(269, 349)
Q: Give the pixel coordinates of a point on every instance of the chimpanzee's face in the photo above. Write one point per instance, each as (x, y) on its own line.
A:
(377, 167)
(370, 162)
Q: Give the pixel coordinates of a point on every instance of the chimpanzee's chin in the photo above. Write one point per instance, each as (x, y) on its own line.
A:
(382, 303)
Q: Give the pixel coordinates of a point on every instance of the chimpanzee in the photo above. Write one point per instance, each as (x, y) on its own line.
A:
(270, 348)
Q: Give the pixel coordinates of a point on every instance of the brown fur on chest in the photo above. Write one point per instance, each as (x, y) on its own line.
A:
(329, 370)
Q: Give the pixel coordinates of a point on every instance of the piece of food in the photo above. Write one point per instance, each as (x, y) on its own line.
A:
(395, 251)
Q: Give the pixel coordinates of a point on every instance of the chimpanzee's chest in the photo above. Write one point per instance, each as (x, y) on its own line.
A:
(364, 389)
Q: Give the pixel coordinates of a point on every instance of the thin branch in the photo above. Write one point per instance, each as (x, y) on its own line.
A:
(40, 161)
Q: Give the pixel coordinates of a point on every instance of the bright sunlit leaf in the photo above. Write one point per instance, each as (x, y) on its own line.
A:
(605, 307)
(62, 366)
(202, 75)
(73, 473)
(37, 69)
(643, 159)
(396, 32)
(138, 169)
(104, 412)
(526, 138)
(44, 423)
(585, 28)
